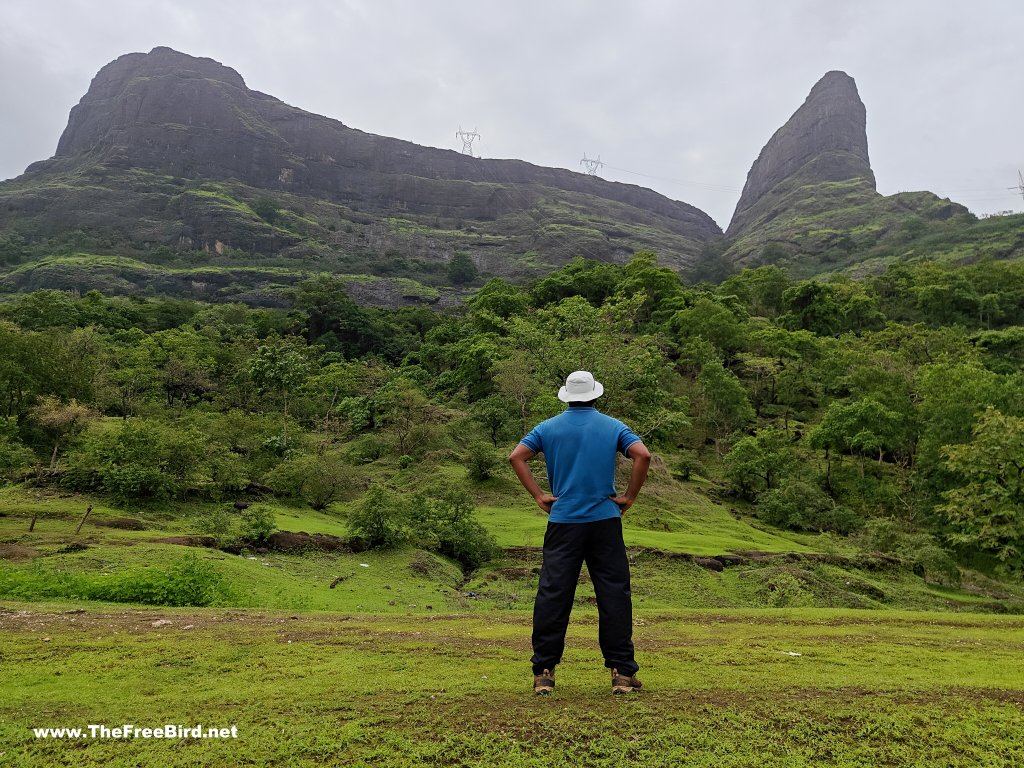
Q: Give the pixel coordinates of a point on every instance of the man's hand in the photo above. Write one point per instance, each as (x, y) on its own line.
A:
(641, 458)
(624, 502)
(545, 501)
(518, 459)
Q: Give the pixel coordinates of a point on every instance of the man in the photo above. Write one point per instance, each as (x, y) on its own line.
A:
(584, 525)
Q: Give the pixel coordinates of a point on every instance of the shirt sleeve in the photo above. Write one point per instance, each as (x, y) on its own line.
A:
(533, 440)
(626, 438)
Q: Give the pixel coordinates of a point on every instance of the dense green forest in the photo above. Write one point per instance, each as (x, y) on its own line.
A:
(891, 407)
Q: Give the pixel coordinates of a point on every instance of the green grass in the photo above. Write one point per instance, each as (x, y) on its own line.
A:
(410, 580)
(406, 661)
(124, 268)
(721, 688)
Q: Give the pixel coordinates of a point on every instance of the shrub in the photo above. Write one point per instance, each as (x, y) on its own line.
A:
(142, 459)
(15, 458)
(929, 561)
(218, 522)
(481, 462)
(189, 581)
(802, 506)
(687, 465)
(442, 519)
(934, 564)
(461, 268)
(379, 520)
(266, 208)
(316, 479)
(258, 522)
(368, 449)
(784, 590)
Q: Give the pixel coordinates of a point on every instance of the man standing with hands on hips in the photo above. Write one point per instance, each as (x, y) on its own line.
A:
(584, 525)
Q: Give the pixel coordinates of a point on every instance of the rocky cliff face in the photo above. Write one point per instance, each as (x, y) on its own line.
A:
(810, 202)
(193, 117)
(825, 140)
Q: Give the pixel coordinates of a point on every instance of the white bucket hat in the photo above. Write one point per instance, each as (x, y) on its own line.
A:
(580, 387)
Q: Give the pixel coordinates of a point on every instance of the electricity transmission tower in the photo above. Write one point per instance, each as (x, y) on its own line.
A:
(590, 164)
(1020, 186)
(467, 137)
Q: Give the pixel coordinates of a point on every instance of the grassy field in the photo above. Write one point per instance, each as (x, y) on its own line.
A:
(795, 687)
(803, 653)
(665, 544)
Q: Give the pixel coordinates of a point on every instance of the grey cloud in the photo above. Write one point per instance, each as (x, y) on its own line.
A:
(686, 92)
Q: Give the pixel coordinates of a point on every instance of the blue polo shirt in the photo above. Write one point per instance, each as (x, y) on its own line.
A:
(579, 447)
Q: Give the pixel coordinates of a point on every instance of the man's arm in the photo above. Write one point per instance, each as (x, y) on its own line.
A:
(641, 462)
(518, 459)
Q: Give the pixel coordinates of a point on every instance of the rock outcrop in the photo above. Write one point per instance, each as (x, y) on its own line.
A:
(192, 117)
(810, 202)
(825, 140)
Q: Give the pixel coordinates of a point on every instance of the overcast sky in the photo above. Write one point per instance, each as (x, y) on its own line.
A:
(678, 96)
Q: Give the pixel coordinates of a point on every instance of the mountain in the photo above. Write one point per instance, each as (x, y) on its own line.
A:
(173, 176)
(173, 161)
(810, 201)
(825, 140)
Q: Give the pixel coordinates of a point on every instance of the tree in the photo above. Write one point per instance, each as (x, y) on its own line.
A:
(380, 520)
(757, 463)
(280, 369)
(317, 479)
(131, 374)
(812, 306)
(658, 284)
(266, 208)
(404, 407)
(185, 360)
(495, 303)
(442, 518)
(461, 268)
(724, 406)
(515, 380)
(760, 289)
(495, 413)
(709, 319)
(862, 428)
(987, 509)
(593, 280)
(62, 421)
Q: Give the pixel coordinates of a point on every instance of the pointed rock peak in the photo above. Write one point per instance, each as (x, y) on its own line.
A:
(835, 82)
(165, 61)
(157, 88)
(825, 140)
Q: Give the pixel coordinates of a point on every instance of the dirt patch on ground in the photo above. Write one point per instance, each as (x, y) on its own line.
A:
(188, 541)
(299, 541)
(517, 573)
(17, 552)
(121, 523)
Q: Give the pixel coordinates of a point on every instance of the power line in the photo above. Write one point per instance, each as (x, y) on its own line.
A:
(712, 187)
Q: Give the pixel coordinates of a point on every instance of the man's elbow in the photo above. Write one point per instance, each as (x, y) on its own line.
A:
(519, 453)
(639, 452)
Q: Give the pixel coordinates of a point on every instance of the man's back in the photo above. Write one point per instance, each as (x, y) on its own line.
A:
(579, 447)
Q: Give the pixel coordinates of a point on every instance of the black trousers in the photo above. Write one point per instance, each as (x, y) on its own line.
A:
(566, 547)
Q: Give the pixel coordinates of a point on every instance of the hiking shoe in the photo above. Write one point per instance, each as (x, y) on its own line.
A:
(544, 683)
(624, 683)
